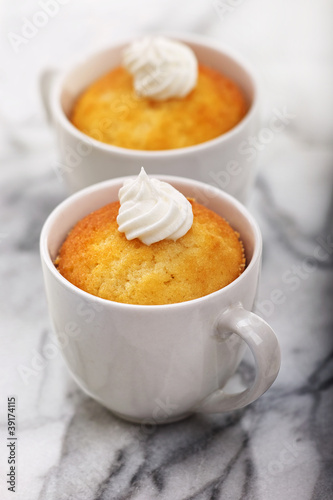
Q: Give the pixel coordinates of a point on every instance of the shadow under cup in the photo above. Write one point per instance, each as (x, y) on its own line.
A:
(222, 162)
(147, 363)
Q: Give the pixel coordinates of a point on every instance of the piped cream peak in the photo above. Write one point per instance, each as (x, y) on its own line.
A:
(152, 210)
(161, 68)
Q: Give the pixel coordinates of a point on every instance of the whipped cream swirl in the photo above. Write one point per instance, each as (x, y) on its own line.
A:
(152, 210)
(161, 68)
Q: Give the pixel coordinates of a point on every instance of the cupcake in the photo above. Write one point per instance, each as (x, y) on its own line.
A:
(152, 247)
(160, 98)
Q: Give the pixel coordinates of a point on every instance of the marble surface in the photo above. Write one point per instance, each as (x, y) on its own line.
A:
(280, 447)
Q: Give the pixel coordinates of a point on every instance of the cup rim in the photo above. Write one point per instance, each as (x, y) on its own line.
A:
(142, 154)
(65, 204)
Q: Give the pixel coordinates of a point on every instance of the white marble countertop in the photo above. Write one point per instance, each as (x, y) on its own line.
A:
(281, 447)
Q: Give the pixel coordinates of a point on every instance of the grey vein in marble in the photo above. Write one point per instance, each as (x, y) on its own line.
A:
(280, 447)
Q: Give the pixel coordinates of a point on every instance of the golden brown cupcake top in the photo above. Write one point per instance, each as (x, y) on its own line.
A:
(99, 259)
(159, 108)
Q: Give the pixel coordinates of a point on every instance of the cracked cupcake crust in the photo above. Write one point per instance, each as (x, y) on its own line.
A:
(99, 259)
(109, 111)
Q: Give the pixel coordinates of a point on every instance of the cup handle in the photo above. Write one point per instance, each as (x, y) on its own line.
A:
(46, 82)
(264, 346)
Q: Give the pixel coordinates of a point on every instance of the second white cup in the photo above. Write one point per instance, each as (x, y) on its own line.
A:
(221, 162)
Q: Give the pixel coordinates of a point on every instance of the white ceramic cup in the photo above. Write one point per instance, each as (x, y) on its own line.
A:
(156, 364)
(223, 162)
